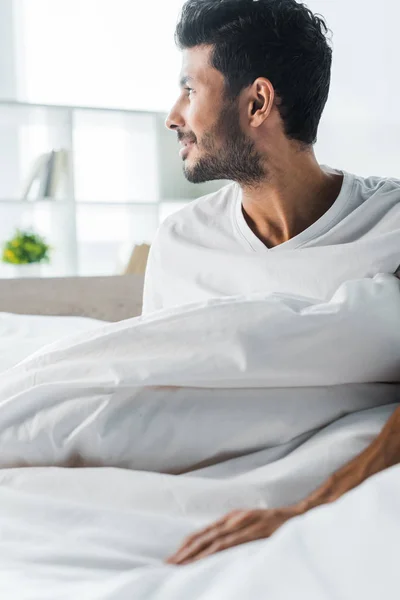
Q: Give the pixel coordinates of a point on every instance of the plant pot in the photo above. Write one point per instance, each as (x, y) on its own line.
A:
(27, 270)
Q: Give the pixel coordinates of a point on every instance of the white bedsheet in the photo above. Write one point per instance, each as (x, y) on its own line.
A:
(78, 534)
(236, 402)
(21, 335)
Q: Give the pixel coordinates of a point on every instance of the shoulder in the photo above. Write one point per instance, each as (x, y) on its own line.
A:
(374, 196)
(199, 212)
(374, 185)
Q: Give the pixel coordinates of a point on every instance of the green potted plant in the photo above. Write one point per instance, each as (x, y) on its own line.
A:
(26, 250)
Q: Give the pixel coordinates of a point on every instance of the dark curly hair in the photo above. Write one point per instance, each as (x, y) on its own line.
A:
(281, 40)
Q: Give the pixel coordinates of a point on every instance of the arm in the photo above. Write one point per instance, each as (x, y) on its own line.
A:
(384, 452)
(243, 526)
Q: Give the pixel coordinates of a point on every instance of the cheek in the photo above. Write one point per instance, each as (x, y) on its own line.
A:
(198, 120)
(195, 126)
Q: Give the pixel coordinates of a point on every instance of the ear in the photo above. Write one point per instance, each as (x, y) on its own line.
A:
(261, 101)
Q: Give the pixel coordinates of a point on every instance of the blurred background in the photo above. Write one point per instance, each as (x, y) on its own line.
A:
(86, 162)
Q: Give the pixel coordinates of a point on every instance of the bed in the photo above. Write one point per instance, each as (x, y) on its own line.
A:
(184, 441)
(35, 312)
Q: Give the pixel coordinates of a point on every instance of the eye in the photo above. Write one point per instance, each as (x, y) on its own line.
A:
(188, 89)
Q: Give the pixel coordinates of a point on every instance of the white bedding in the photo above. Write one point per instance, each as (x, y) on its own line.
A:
(78, 534)
(21, 335)
(230, 403)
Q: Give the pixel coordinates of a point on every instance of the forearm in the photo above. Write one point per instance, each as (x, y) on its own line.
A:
(384, 452)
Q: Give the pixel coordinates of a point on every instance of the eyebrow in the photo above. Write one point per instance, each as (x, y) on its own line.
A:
(184, 80)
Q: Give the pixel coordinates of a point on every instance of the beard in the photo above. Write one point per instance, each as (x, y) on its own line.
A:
(236, 158)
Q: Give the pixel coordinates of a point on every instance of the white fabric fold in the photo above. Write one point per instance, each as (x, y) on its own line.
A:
(186, 388)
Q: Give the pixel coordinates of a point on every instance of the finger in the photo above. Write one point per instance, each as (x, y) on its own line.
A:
(192, 539)
(219, 522)
(196, 544)
(243, 517)
(198, 540)
(202, 541)
(229, 541)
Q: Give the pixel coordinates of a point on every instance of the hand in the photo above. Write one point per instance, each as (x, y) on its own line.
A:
(238, 527)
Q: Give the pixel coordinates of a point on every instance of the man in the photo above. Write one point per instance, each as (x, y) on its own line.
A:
(254, 83)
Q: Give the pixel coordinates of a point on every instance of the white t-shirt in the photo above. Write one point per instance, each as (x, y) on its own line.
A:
(207, 250)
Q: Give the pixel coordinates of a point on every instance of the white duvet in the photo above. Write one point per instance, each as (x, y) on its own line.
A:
(21, 335)
(238, 402)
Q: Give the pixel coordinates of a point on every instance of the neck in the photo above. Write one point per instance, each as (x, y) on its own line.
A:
(295, 194)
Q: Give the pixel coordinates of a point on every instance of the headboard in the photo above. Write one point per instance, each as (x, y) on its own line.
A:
(111, 298)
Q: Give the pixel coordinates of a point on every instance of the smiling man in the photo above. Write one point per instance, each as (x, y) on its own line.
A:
(255, 80)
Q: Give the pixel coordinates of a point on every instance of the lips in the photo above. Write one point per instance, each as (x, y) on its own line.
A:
(184, 151)
(186, 142)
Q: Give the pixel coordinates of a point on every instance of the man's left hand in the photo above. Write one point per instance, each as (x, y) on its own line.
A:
(238, 527)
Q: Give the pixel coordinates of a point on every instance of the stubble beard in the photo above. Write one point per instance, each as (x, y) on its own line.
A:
(235, 157)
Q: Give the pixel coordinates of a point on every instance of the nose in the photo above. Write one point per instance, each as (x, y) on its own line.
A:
(174, 120)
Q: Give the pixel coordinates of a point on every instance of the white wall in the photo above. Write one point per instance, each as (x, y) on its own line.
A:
(360, 129)
(8, 75)
(9, 143)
